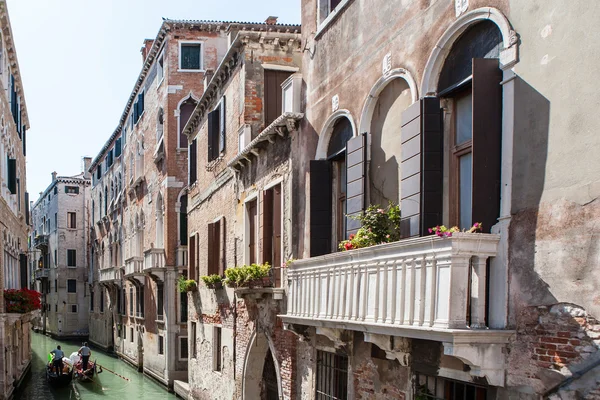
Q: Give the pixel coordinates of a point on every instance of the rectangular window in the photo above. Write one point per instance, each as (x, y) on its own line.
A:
(217, 356)
(271, 222)
(462, 160)
(101, 300)
(72, 189)
(273, 94)
(131, 335)
(139, 302)
(55, 221)
(55, 307)
(193, 166)
(251, 234)
(71, 258)
(160, 301)
(216, 262)
(74, 308)
(183, 297)
(71, 220)
(326, 7)
(190, 56)
(91, 301)
(71, 286)
(55, 258)
(332, 376)
(12, 175)
(161, 345)
(160, 67)
(193, 342)
(216, 131)
(433, 387)
(131, 302)
(183, 348)
(55, 285)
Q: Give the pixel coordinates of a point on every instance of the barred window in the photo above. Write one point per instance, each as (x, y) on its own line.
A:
(332, 376)
(437, 388)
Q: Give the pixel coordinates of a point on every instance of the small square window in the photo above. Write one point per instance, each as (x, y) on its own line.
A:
(190, 56)
(74, 308)
(72, 189)
(71, 286)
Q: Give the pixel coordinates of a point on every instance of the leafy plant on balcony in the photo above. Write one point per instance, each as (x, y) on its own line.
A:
(212, 281)
(253, 275)
(22, 300)
(444, 232)
(186, 285)
(378, 225)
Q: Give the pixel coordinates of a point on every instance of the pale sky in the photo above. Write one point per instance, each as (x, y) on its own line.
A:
(79, 60)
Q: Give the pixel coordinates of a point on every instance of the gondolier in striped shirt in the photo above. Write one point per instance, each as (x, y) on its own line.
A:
(85, 353)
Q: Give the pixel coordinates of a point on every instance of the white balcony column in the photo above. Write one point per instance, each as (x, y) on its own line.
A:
(459, 283)
(478, 280)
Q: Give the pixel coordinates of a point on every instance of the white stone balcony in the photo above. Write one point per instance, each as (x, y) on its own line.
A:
(112, 275)
(41, 273)
(155, 263)
(134, 269)
(426, 288)
(182, 256)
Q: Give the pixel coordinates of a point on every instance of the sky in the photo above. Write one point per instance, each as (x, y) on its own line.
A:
(79, 60)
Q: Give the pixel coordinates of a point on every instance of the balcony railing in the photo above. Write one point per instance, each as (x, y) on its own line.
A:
(40, 241)
(134, 266)
(182, 256)
(111, 275)
(154, 259)
(41, 273)
(417, 283)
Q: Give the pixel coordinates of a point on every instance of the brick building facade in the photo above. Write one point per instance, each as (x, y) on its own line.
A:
(59, 244)
(14, 212)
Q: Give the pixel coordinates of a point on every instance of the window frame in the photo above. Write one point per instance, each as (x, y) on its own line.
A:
(71, 220)
(161, 345)
(217, 348)
(191, 42)
(181, 347)
(71, 308)
(323, 23)
(332, 372)
(68, 285)
(74, 258)
(160, 68)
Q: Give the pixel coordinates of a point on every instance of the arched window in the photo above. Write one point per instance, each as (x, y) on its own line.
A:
(159, 123)
(185, 111)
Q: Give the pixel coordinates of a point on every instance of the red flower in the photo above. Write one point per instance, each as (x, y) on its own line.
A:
(348, 245)
(352, 236)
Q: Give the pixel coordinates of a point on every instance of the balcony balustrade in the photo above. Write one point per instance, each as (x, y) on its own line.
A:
(41, 273)
(138, 171)
(40, 241)
(134, 269)
(112, 275)
(182, 256)
(154, 259)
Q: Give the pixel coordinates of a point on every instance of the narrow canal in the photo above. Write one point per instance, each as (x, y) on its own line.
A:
(107, 386)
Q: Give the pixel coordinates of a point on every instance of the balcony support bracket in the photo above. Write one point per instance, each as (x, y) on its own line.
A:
(396, 348)
(299, 330)
(335, 335)
(484, 359)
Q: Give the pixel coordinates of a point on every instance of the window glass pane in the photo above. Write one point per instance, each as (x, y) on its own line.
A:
(466, 189)
(190, 56)
(464, 118)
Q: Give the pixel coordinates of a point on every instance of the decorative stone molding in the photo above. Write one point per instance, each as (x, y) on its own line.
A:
(508, 56)
(386, 64)
(484, 359)
(396, 348)
(335, 103)
(328, 129)
(460, 6)
(335, 335)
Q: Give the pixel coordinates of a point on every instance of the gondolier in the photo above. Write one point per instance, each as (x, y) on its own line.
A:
(85, 353)
(57, 364)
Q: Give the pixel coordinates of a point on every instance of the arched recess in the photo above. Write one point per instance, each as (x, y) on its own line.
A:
(259, 347)
(508, 56)
(327, 130)
(391, 95)
(184, 110)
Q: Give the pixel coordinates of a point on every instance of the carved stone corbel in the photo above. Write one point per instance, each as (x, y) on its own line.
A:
(335, 335)
(396, 348)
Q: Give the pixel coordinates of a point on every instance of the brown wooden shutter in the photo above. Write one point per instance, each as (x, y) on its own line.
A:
(214, 255)
(487, 141)
(222, 247)
(192, 257)
(421, 184)
(267, 226)
(193, 162)
(356, 178)
(320, 207)
(23, 270)
(276, 259)
(273, 94)
(213, 134)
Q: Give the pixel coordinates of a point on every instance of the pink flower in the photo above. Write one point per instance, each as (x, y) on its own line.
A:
(380, 211)
(352, 236)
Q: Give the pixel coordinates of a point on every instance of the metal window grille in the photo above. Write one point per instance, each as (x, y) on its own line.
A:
(436, 388)
(332, 376)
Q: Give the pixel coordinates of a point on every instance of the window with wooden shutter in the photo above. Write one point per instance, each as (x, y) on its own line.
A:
(190, 57)
(214, 118)
(71, 258)
(222, 124)
(193, 162)
(320, 207)
(185, 111)
(192, 257)
(271, 230)
(252, 216)
(273, 94)
(24, 141)
(23, 270)
(356, 167)
(140, 104)
(118, 147)
(421, 167)
(214, 249)
(12, 175)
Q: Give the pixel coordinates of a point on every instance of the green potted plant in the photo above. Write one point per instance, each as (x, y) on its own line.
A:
(212, 281)
(186, 285)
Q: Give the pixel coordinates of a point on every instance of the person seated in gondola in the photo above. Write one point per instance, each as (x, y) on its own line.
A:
(85, 353)
(57, 363)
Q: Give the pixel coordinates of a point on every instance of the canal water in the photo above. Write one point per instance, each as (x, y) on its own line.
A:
(107, 386)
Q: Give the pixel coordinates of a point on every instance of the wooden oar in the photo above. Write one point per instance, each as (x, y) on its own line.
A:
(120, 376)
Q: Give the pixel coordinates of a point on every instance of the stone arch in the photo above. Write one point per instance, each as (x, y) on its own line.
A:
(325, 135)
(190, 97)
(256, 352)
(508, 56)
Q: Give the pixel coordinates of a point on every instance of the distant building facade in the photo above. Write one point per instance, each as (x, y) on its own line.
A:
(59, 241)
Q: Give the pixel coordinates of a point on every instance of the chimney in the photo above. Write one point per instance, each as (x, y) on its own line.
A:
(271, 20)
(145, 50)
(53, 176)
(87, 163)
(207, 77)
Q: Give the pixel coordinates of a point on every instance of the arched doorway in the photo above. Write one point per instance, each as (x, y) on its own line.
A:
(261, 370)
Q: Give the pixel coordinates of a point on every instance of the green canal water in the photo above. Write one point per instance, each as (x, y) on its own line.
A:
(107, 386)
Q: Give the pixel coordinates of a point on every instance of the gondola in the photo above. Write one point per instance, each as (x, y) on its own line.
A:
(90, 374)
(62, 379)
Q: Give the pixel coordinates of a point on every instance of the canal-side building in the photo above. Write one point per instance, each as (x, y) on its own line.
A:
(15, 328)
(239, 212)
(59, 241)
(139, 222)
(462, 112)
